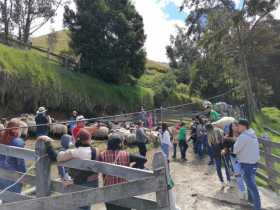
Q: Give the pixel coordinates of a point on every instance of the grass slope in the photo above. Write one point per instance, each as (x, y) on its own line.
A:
(268, 117)
(29, 79)
(62, 44)
(149, 80)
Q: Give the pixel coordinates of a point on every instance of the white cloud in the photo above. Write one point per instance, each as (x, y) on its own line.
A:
(158, 26)
(276, 13)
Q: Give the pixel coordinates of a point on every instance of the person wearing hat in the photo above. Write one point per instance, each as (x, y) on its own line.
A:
(80, 123)
(42, 120)
(72, 122)
(115, 155)
(247, 150)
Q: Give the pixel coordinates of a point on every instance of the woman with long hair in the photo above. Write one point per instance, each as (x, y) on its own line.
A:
(11, 138)
(215, 140)
(165, 140)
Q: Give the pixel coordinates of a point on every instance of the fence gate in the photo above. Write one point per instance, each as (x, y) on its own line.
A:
(52, 195)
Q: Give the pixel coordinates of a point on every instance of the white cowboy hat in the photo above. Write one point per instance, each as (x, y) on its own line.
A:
(80, 118)
(41, 110)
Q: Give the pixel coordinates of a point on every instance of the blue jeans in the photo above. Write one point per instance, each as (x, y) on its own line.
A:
(209, 151)
(183, 149)
(165, 150)
(250, 180)
(201, 146)
(218, 164)
(238, 173)
(174, 150)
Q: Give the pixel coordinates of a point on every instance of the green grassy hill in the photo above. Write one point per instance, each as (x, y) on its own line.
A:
(268, 117)
(28, 79)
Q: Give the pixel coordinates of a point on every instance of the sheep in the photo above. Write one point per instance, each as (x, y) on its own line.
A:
(23, 128)
(1, 130)
(223, 122)
(30, 121)
(58, 130)
(130, 139)
(100, 133)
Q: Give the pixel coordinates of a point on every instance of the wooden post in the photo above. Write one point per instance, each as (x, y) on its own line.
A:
(161, 114)
(43, 167)
(161, 169)
(269, 162)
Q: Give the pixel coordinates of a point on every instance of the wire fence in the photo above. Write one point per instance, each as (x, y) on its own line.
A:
(158, 115)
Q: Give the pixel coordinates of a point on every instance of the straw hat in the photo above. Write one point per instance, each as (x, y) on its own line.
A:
(41, 110)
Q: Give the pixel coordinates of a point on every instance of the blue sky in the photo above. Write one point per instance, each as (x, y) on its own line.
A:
(160, 18)
(172, 10)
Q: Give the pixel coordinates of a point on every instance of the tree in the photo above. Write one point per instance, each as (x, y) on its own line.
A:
(110, 37)
(5, 18)
(240, 24)
(182, 51)
(29, 16)
(52, 40)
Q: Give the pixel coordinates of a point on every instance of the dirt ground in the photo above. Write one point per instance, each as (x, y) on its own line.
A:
(197, 186)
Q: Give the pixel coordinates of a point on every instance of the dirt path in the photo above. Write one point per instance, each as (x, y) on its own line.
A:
(198, 188)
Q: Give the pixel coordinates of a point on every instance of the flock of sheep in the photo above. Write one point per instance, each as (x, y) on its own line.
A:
(100, 131)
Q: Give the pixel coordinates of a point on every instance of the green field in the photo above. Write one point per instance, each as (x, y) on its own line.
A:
(27, 74)
(28, 79)
(268, 117)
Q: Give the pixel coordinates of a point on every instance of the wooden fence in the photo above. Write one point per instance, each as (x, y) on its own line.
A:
(52, 195)
(269, 164)
(67, 61)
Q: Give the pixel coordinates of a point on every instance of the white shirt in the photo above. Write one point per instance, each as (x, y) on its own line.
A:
(165, 138)
(83, 153)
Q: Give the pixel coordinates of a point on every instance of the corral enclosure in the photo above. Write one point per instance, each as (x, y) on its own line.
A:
(139, 182)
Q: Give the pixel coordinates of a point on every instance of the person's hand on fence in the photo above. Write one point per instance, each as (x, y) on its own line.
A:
(67, 183)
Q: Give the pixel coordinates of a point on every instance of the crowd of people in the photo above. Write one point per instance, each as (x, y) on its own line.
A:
(235, 147)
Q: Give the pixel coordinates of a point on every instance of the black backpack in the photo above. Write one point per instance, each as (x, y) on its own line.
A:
(79, 176)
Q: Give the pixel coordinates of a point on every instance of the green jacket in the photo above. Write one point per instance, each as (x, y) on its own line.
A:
(214, 116)
(182, 134)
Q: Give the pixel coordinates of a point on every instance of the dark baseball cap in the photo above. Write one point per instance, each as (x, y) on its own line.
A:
(244, 122)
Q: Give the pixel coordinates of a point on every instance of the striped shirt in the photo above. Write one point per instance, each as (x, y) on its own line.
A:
(114, 157)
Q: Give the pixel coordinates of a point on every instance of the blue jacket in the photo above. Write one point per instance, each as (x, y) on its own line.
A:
(13, 164)
(41, 119)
